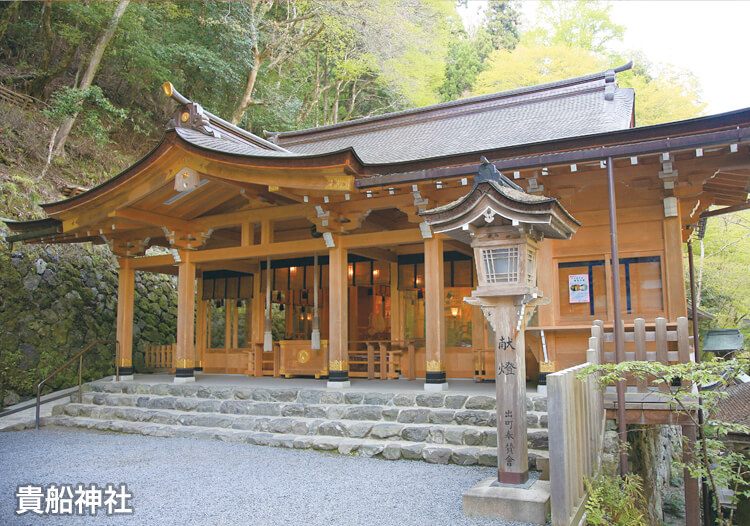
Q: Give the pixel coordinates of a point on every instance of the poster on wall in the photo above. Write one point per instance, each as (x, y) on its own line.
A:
(578, 288)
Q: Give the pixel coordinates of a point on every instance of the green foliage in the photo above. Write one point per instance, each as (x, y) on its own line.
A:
(723, 271)
(576, 24)
(616, 501)
(713, 459)
(95, 112)
(528, 65)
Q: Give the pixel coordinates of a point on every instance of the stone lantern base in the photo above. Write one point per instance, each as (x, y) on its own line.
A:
(528, 502)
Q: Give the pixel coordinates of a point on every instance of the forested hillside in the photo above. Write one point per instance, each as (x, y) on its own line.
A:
(94, 71)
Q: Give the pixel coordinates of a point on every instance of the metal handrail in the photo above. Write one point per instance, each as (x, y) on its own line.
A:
(78, 356)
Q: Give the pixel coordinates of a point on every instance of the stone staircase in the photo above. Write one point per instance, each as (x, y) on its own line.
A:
(434, 427)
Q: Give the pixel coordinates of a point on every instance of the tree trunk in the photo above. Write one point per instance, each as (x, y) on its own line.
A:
(90, 72)
(247, 97)
(8, 16)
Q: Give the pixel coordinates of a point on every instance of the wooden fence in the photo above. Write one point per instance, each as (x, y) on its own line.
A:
(660, 344)
(159, 357)
(17, 99)
(576, 421)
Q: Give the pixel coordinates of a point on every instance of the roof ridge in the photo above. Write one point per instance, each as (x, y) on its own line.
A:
(460, 102)
(489, 105)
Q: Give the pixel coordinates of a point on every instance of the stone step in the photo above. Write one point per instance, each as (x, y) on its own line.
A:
(407, 415)
(386, 449)
(410, 432)
(403, 414)
(534, 402)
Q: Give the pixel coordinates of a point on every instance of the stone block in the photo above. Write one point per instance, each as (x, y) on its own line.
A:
(293, 410)
(455, 401)
(414, 416)
(335, 412)
(378, 398)
(385, 430)
(370, 449)
(309, 396)
(465, 456)
(412, 451)
(234, 407)
(436, 455)
(261, 395)
(315, 411)
(404, 400)
(454, 435)
(488, 457)
(332, 397)
(540, 404)
(303, 442)
(431, 400)
(331, 429)
(208, 406)
(390, 414)
(472, 418)
(358, 429)
(348, 446)
(472, 437)
(415, 434)
(392, 452)
(507, 502)
(480, 402)
(354, 398)
(442, 417)
(283, 395)
(364, 412)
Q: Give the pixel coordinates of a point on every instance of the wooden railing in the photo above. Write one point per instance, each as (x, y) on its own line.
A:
(158, 358)
(383, 359)
(657, 345)
(17, 99)
(576, 421)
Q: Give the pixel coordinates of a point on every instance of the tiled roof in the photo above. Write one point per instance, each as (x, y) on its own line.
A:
(225, 143)
(583, 106)
(735, 407)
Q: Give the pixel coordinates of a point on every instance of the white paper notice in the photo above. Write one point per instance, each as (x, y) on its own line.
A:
(578, 288)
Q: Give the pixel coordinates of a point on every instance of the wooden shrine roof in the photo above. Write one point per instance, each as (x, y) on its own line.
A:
(580, 106)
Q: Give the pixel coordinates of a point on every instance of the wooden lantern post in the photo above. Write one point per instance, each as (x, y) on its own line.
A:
(504, 226)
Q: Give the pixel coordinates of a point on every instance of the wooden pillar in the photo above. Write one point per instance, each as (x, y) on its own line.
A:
(692, 494)
(338, 338)
(184, 360)
(200, 328)
(435, 379)
(126, 284)
(674, 270)
(397, 325)
(510, 382)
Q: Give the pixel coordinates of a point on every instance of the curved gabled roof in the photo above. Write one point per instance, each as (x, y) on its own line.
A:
(585, 105)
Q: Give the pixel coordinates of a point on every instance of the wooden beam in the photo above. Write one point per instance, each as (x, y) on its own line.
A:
(254, 216)
(147, 262)
(329, 178)
(457, 246)
(726, 210)
(379, 254)
(149, 218)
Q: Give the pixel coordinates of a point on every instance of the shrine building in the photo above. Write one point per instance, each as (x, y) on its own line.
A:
(305, 253)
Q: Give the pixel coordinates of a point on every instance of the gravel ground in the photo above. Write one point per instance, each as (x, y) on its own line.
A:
(187, 481)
